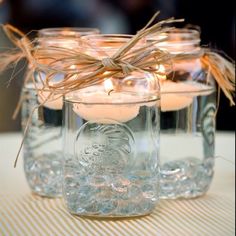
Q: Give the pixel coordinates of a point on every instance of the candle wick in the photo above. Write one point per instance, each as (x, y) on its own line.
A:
(112, 90)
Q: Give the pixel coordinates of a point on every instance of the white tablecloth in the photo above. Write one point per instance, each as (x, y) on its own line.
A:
(22, 213)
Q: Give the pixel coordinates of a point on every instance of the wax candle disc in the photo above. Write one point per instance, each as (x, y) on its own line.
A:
(179, 95)
(173, 102)
(107, 113)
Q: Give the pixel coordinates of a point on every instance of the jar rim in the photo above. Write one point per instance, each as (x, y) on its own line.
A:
(177, 34)
(69, 32)
(178, 40)
(110, 42)
(107, 38)
(184, 35)
(184, 31)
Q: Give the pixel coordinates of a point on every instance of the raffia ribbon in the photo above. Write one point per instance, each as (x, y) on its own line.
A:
(92, 70)
(124, 61)
(222, 70)
(22, 47)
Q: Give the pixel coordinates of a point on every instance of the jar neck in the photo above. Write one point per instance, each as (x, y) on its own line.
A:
(66, 32)
(63, 37)
(178, 41)
(103, 45)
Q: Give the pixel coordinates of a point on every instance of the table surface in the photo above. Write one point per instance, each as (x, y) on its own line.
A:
(22, 213)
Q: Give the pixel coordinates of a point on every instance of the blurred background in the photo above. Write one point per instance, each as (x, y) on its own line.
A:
(216, 19)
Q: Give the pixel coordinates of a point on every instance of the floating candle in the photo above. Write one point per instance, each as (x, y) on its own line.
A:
(107, 105)
(178, 95)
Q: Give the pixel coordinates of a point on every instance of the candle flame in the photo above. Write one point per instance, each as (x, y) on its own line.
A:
(108, 85)
(161, 72)
(75, 76)
(72, 66)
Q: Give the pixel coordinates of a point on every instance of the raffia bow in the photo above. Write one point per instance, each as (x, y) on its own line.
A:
(56, 55)
(92, 70)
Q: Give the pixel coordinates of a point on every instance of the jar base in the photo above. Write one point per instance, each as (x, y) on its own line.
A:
(44, 195)
(111, 217)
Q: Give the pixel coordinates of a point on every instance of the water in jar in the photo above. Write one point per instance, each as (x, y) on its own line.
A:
(42, 146)
(187, 147)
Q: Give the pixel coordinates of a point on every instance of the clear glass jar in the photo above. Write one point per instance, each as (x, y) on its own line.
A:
(43, 155)
(111, 143)
(188, 106)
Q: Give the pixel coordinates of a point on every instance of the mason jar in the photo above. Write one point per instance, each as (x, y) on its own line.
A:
(42, 150)
(111, 142)
(188, 109)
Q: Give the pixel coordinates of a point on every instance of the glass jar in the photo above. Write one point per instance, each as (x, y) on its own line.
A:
(188, 107)
(111, 142)
(43, 142)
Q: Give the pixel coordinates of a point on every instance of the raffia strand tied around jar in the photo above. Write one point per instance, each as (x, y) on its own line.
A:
(222, 70)
(122, 61)
(89, 70)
